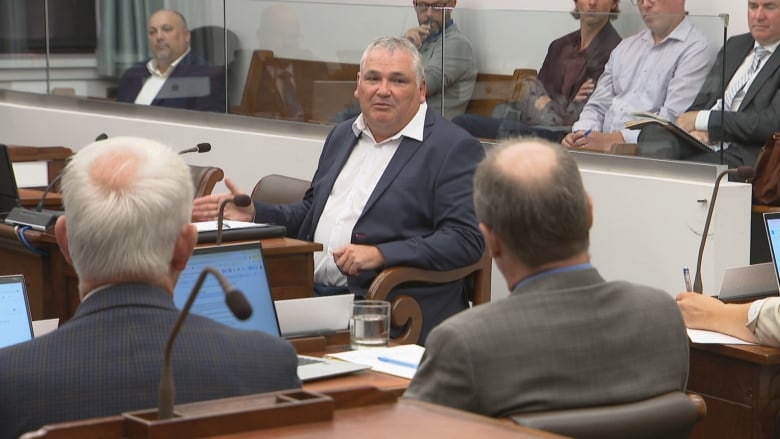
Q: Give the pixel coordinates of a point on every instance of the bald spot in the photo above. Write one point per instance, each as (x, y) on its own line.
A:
(527, 162)
(114, 172)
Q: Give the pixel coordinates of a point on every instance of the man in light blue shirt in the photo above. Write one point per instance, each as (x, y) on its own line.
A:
(658, 70)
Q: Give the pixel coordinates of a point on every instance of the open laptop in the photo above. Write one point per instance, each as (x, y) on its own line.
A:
(15, 319)
(758, 280)
(9, 193)
(243, 265)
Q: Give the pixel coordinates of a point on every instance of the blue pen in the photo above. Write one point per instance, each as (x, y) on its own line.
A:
(587, 132)
(687, 277)
(397, 362)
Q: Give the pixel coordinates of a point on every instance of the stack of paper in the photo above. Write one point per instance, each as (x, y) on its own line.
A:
(702, 336)
(397, 360)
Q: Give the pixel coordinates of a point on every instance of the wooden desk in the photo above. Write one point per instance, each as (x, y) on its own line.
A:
(741, 386)
(356, 413)
(31, 197)
(52, 285)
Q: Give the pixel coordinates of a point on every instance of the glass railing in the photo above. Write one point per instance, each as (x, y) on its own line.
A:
(491, 63)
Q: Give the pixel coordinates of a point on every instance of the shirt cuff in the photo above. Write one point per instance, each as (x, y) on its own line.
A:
(702, 120)
(753, 311)
(630, 136)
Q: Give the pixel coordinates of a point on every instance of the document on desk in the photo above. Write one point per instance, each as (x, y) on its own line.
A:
(211, 226)
(711, 337)
(400, 361)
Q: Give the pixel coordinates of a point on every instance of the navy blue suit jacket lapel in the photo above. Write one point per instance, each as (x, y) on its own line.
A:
(766, 72)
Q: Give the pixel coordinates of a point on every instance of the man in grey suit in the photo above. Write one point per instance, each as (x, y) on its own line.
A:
(565, 337)
(393, 187)
(752, 97)
(127, 233)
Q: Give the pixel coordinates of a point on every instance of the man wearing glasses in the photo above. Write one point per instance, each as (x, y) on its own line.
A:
(450, 83)
(657, 70)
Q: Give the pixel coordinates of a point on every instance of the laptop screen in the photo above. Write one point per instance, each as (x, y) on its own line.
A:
(772, 223)
(244, 267)
(9, 194)
(15, 321)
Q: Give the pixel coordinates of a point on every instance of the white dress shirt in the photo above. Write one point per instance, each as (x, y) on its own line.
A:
(154, 83)
(351, 191)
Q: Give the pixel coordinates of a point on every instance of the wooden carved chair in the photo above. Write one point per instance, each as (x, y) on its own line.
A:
(668, 416)
(204, 178)
(405, 312)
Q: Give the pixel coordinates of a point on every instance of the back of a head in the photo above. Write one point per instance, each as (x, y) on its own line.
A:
(530, 194)
(126, 201)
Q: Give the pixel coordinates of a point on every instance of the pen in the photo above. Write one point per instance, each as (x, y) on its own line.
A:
(687, 277)
(397, 362)
(587, 132)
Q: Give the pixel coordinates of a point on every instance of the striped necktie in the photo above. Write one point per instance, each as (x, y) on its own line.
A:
(737, 84)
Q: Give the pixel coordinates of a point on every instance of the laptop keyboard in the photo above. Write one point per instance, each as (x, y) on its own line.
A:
(308, 360)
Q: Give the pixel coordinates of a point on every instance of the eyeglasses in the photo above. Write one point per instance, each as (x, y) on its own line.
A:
(422, 7)
(640, 2)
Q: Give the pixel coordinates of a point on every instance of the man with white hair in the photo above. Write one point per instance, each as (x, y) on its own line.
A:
(127, 233)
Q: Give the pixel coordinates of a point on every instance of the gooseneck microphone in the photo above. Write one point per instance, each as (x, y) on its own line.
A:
(241, 200)
(744, 172)
(238, 305)
(199, 148)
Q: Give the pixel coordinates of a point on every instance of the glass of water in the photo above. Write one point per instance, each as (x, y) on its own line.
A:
(369, 326)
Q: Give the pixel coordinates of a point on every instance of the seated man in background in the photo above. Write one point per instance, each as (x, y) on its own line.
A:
(565, 337)
(127, 233)
(757, 322)
(752, 104)
(449, 86)
(657, 70)
(567, 78)
(174, 77)
(393, 187)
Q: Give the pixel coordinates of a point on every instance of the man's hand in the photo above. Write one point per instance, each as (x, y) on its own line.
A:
(592, 140)
(354, 258)
(703, 136)
(586, 89)
(418, 34)
(699, 310)
(206, 208)
(687, 121)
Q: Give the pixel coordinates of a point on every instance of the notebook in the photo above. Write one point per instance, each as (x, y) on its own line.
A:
(9, 193)
(15, 320)
(243, 265)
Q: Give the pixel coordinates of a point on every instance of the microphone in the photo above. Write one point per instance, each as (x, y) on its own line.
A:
(238, 305)
(200, 147)
(744, 172)
(241, 200)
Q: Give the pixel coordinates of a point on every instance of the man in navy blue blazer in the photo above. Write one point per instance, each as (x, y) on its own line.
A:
(392, 187)
(174, 76)
(127, 233)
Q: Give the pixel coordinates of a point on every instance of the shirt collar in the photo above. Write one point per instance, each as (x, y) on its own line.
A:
(540, 274)
(771, 48)
(413, 129)
(152, 66)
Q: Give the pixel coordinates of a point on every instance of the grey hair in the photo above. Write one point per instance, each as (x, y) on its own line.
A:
(397, 43)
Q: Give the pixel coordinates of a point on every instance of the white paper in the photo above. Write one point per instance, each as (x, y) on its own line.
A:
(43, 327)
(410, 353)
(314, 315)
(210, 226)
(711, 337)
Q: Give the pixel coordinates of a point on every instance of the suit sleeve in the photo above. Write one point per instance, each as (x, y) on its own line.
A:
(751, 125)
(215, 101)
(456, 240)
(445, 375)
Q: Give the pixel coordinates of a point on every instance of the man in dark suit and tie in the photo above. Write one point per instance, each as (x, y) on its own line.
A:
(127, 233)
(174, 77)
(393, 187)
(565, 337)
(752, 97)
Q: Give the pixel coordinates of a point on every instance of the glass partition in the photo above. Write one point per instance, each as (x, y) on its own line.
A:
(298, 60)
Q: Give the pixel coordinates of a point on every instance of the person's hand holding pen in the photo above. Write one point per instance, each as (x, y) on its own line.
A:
(592, 140)
(577, 139)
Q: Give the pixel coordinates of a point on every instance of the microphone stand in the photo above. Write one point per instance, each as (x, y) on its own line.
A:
(238, 306)
(744, 172)
(241, 200)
